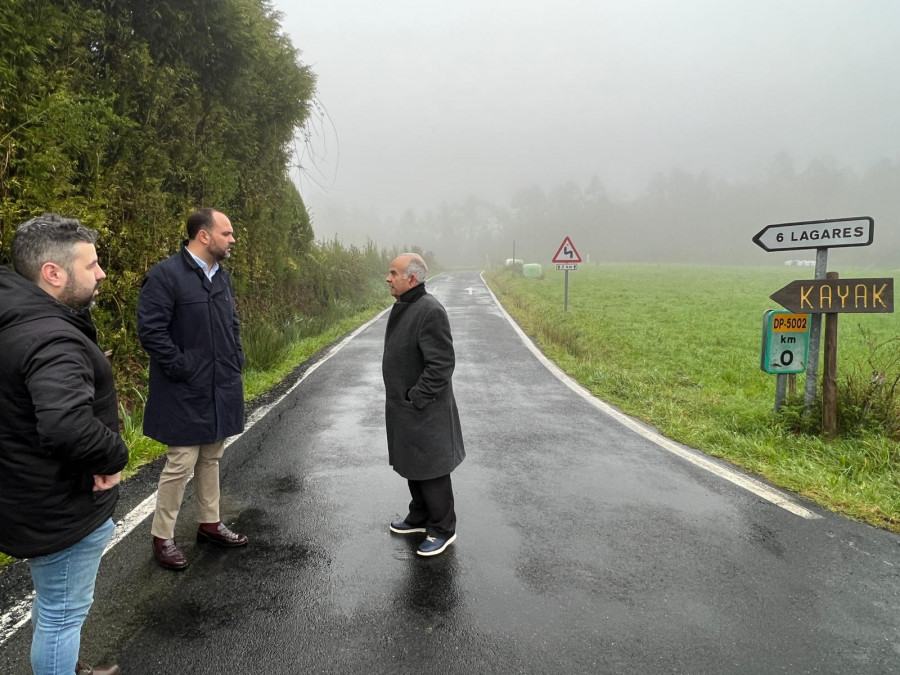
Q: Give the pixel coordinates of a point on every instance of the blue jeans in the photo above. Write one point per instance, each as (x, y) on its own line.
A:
(64, 592)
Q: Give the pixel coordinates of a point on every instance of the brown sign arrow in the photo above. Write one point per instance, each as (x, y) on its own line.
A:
(817, 296)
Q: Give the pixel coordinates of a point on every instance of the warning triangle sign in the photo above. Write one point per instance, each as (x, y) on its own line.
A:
(567, 253)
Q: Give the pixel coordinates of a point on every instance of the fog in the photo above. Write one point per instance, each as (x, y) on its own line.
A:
(480, 108)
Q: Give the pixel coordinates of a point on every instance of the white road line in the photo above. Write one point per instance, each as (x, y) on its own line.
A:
(15, 618)
(20, 614)
(756, 487)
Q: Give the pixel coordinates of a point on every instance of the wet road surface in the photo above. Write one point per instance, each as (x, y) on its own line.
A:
(583, 547)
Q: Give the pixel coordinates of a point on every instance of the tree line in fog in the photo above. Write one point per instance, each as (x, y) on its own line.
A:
(679, 217)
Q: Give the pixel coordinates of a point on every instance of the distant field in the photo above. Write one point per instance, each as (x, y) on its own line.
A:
(679, 347)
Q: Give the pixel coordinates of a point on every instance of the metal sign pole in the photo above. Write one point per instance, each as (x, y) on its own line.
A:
(815, 330)
(780, 390)
(566, 294)
(829, 372)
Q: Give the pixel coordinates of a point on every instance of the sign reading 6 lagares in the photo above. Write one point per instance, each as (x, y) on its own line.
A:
(785, 342)
(832, 233)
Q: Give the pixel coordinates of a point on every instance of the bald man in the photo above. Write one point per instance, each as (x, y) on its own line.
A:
(424, 436)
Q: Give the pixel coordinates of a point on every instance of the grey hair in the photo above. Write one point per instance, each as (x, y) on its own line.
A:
(47, 238)
(416, 266)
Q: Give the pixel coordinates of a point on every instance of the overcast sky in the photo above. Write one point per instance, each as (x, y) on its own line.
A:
(435, 101)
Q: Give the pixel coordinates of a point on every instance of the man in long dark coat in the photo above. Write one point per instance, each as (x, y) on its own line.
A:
(188, 324)
(424, 436)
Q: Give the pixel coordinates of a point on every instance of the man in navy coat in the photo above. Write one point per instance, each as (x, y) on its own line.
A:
(188, 324)
(423, 432)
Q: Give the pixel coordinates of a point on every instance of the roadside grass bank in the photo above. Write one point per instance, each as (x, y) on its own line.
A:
(679, 348)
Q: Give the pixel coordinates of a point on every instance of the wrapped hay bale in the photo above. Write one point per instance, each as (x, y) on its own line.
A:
(532, 271)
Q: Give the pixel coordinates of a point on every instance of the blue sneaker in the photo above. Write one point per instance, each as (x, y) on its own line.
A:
(402, 527)
(435, 545)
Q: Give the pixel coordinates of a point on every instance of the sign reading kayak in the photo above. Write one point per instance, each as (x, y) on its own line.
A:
(816, 234)
(837, 295)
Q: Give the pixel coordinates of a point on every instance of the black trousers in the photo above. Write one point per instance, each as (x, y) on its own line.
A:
(432, 506)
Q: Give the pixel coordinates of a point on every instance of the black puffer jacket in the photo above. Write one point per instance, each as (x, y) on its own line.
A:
(58, 423)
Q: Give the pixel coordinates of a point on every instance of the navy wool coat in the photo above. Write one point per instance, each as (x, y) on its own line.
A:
(424, 436)
(189, 327)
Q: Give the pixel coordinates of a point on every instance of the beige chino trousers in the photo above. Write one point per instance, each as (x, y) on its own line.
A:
(181, 461)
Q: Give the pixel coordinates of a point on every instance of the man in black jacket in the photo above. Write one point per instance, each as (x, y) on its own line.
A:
(424, 436)
(188, 324)
(60, 453)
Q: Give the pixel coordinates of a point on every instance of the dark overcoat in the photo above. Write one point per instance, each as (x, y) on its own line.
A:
(189, 326)
(424, 436)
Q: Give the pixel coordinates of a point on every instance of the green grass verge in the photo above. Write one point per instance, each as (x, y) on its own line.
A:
(679, 348)
(259, 382)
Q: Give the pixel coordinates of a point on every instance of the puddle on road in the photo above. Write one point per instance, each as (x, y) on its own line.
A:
(404, 555)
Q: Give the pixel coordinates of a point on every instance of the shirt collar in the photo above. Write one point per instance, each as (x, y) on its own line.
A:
(209, 272)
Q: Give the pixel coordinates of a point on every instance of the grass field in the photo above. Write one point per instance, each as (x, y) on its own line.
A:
(679, 347)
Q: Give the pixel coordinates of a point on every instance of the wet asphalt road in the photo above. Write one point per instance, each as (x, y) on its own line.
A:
(583, 547)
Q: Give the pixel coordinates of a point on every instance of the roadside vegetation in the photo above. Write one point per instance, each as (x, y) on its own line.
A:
(679, 348)
(130, 116)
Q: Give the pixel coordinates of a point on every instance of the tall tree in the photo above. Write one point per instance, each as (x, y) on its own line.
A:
(127, 114)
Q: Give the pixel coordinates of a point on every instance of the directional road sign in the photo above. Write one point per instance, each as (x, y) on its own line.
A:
(816, 234)
(567, 253)
(818, 296)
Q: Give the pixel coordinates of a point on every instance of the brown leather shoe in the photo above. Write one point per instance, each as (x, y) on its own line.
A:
(218, 533)
(109, 669)
(168, 555)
